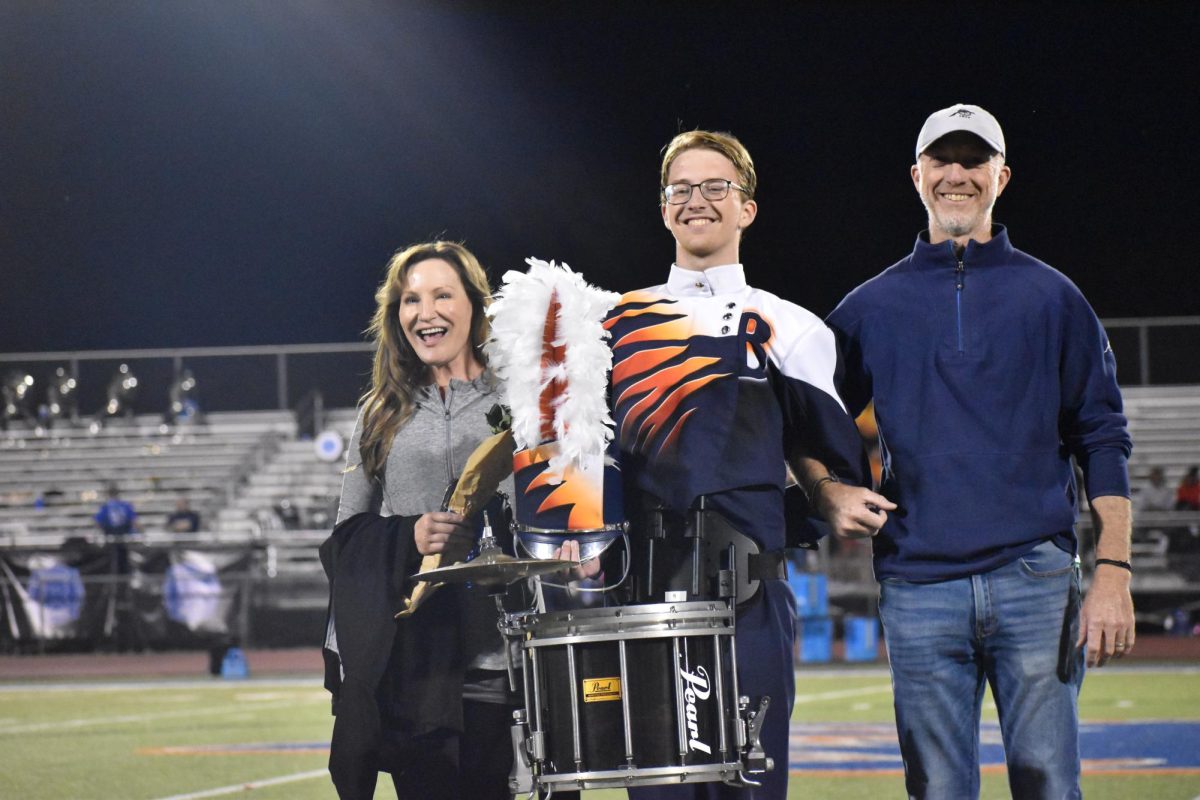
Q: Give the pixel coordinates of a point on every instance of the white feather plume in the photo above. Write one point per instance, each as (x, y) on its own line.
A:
(582, 425)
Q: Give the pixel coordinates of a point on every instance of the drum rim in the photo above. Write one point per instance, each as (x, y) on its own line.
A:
(629, 776)
(568, 533)
(610, 636)
(649, 620)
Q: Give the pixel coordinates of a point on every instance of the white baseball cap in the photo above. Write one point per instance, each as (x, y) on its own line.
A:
(961, 117)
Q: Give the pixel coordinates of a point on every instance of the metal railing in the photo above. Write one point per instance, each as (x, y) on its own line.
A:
(230, 378)
(1155, 349)
(1142, 327)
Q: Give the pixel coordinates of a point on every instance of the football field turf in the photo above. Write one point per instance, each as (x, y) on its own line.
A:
(267, 739)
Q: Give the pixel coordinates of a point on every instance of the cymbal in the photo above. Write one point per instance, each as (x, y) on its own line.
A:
(491, 568)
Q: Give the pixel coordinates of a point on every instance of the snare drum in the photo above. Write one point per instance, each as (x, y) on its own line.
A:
(632, 696)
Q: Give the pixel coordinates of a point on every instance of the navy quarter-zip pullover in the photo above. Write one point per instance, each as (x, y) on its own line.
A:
(989, 370)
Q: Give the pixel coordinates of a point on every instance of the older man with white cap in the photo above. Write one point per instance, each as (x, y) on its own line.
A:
(989, 372)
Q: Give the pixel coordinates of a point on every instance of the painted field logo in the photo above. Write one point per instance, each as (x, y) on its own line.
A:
(695, 687)
(597, 690)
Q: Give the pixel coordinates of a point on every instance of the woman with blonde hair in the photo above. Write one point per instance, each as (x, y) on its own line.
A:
(443, 699)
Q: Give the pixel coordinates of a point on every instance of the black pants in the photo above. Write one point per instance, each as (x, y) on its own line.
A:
(452, 766)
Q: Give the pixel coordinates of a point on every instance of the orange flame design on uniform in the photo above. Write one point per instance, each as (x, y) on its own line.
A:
(664, 387)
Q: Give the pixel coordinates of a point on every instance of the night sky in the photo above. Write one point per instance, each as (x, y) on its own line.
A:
(232, 173)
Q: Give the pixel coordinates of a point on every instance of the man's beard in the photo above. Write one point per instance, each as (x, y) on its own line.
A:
(955, 225)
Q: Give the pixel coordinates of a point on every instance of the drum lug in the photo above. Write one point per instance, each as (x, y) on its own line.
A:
(537, 746)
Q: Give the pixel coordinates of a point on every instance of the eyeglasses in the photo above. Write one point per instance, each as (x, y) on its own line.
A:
(712, 189)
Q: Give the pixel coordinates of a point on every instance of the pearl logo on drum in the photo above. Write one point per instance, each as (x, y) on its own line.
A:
(696, 687)
(598, 690)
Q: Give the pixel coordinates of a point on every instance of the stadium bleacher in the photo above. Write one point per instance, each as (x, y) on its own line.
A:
(1165, 424)
(51, 482)
(255, 479)
(297, 477)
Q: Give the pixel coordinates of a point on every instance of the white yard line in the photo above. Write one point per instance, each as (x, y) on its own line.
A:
(839, 694)
(105, 685)
(71, 724)
(235, 788)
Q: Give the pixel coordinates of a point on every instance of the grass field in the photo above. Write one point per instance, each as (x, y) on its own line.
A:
(144, 741)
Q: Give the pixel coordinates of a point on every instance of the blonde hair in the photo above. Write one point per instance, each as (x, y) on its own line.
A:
(397, 373)
(724, 143)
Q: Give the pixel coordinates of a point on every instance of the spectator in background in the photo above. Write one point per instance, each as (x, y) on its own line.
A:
(183, 519)
(1187, 496)
(1156, 495)
(117, 517)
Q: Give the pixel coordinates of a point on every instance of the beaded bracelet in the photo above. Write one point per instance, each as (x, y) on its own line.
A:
(812, 490)
(1112, 562)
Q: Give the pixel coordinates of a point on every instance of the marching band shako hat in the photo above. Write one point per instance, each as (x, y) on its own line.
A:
(568, 484)
(585, 503)
(961, 117)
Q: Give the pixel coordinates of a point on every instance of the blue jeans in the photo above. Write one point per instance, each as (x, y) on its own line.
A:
(1015, 626)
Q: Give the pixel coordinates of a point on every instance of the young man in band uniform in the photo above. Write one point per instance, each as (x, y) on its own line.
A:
(714, 382)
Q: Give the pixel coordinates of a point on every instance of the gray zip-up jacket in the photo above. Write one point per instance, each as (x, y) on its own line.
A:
(427, 453)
